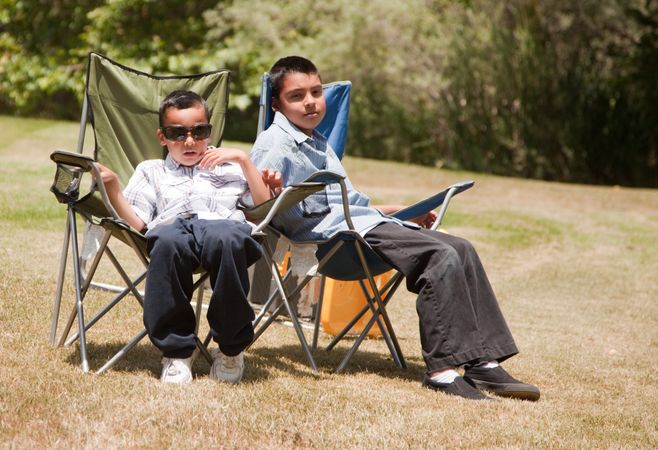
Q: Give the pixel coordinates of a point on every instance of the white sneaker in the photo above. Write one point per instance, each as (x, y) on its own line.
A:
(176, 370)
(228, 369)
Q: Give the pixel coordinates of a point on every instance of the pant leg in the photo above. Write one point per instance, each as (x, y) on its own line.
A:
(168, 316)
(226, 251)
(460, 321)
(496, 335)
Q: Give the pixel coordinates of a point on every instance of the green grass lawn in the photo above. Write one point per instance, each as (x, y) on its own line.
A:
(574, 267)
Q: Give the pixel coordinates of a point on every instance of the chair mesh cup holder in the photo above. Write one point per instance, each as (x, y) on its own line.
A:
(66, 185)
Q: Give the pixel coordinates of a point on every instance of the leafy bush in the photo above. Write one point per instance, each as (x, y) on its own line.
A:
(550, 89)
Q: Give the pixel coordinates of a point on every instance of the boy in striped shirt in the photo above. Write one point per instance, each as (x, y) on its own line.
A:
(187, 206)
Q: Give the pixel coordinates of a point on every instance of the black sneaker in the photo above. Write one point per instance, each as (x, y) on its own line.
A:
(501, 383)
(458, 387)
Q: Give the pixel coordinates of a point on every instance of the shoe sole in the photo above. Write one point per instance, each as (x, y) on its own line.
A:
(177, 383)
(428, 385)
(509, 390)
(224, 380)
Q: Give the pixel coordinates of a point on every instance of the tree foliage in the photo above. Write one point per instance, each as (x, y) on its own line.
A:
(551, 89)
(555, 90)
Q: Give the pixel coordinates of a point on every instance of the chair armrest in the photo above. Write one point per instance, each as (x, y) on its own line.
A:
(325, 176)
(440, 199)
(73, 165)
(290, 196)
(72, 159)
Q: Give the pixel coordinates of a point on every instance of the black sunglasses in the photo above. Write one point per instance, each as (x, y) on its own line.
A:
(179, 133)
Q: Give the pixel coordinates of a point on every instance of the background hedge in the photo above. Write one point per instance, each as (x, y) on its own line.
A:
(550, 89)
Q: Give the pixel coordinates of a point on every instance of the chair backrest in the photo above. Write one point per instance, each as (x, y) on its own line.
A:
(123, 106)
(335, 123)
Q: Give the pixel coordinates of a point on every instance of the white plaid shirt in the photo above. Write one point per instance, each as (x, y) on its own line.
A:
(162, 190)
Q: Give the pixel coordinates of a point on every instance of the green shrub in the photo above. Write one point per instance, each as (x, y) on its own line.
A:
(549, 89)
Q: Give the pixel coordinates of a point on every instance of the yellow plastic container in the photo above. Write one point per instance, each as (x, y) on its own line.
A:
(342, 301)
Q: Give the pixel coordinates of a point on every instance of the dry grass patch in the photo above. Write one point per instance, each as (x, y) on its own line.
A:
(574, 268)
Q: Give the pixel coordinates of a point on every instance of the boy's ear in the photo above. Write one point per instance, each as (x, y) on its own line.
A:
(161, 137)
(275, 104)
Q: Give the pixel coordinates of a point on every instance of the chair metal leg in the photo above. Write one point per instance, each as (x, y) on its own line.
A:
(107, 308)
(121, 353)
(378, 308)
(293, 318)
(142, 334)
(131, 285)
(380, 304)
(88, 275)
(385, 335)
(318, 312)
(57, 301)
(265, 325)
(375, 318)
(78, 292)
(267, 305)
(355, 347)
(203, 348)
(397, 357)
(199, 307)
(279, 308)
(389, 288)
(368, 306)
(85, 286)
(274, 296)
(284, 296)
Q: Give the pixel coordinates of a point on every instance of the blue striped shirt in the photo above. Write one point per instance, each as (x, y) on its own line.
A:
(285, 148)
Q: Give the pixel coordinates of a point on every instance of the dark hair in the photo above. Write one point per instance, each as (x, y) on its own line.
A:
(181, 99)
(287, 65)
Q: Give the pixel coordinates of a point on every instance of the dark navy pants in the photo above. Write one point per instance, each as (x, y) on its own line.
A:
(460, 320)
(225, 249)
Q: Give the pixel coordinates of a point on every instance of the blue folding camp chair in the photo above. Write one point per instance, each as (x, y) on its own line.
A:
(346, 256)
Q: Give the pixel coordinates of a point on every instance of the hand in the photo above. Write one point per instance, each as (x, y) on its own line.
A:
(216, 156)
(108, 177)
(426, 220)
(273, 179)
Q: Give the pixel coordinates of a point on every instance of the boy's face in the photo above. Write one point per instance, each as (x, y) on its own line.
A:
(189, 150)
(301, 100)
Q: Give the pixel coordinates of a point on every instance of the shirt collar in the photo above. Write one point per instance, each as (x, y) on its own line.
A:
(171, 163)
(298, 135)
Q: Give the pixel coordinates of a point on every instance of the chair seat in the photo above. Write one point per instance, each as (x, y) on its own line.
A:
(345, 264)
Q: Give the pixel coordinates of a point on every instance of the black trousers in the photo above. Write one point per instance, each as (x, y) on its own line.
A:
(460, 319)
(225, 249)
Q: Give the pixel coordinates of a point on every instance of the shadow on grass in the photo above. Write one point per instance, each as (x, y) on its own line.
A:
(287, 358)
(139, 358)
(262, 363)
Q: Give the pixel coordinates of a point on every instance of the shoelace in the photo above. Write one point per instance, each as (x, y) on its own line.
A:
(230, 362)
(173, 366)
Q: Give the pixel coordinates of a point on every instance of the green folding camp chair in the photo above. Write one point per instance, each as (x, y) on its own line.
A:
(121, 104)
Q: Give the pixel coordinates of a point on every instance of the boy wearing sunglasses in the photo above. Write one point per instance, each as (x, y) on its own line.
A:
(187, 205)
